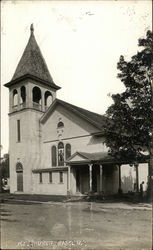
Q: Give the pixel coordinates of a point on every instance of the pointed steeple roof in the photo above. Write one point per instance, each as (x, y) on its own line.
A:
(32, 64)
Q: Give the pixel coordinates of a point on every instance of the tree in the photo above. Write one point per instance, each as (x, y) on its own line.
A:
(4, 169)
(0, 169)
(5, 166)
(129, 132)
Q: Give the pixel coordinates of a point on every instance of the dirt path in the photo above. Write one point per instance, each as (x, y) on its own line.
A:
(76, 226)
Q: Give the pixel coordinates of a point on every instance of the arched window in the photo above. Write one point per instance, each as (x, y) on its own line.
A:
(23, 94)
(68, 150)
(19, 171)
(48, 99)
(54, 159)
(60, 154)
(15, 97)
(60, 125)
(19, 167)
(36, 97)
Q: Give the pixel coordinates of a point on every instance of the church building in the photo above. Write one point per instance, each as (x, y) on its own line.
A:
(55, 147)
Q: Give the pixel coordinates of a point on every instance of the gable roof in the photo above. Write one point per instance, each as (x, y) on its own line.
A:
(32, 64)
(96, 157)
(95, 119)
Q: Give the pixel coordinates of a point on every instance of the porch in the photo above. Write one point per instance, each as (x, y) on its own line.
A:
(93, 179)
(90, 173)
(99, 174)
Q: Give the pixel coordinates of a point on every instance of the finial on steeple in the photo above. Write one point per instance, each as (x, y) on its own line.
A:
(32, 28)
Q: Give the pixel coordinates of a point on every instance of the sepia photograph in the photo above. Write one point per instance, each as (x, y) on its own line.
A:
(76, 148)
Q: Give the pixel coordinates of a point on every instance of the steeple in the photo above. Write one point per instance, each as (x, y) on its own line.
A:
(32, 86)
(32, 28)
(32, 64)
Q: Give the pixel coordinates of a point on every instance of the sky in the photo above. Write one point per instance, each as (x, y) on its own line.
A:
(81, 42)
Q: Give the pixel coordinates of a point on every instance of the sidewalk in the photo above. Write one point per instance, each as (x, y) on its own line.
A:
(32, 197)
(56, 199)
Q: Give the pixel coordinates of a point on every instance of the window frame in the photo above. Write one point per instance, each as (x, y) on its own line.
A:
(18, 131)
(61, 163)
(40, 178)
(67, 151)
(55, 155)
(60, 125)
(61, 177)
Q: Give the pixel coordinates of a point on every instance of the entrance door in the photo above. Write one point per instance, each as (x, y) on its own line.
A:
(20, 181)
(77, 180)
(82, 179)
(94, 179)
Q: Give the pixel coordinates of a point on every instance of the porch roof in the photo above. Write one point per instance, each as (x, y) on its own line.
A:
(79, 158)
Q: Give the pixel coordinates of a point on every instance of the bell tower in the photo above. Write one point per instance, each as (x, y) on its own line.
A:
(31, 92)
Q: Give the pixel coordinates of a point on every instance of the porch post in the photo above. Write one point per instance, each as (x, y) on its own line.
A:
(100, 179)
(119, 176)
(137, 176)
(69, 180)
(90, 177)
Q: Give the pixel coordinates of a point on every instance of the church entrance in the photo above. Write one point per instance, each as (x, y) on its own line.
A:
(19, 171)
(20, 181)
(94, 178)
(82, 179)
(77, 180)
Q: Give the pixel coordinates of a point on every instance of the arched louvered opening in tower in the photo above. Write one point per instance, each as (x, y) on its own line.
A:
(48, 99)
(15, 99)
(23, 97)
(36, 98)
